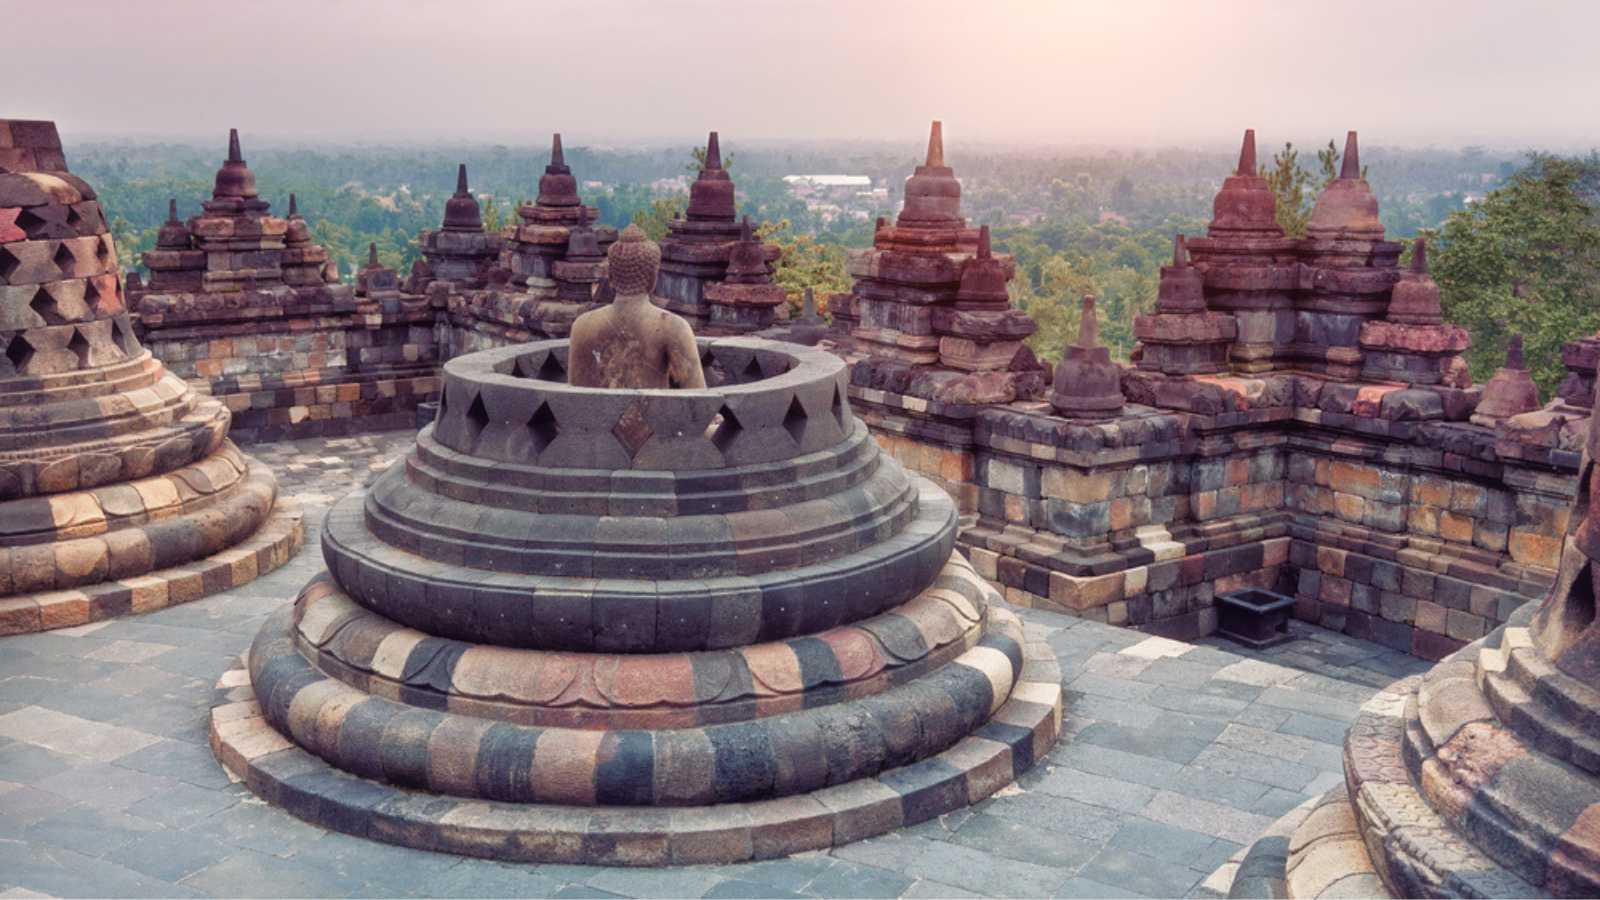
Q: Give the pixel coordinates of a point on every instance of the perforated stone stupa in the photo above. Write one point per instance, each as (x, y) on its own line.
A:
(640, 627)
(119, 489)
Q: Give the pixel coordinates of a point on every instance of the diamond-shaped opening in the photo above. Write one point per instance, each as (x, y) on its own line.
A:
(65, 261)
(73, 218)
(794, 421)
(79, 345)
(102, 249)
(838, 407)
(44, 303)
(119, 336)
(724, 429)
(542, 428)
(30, 222)
(632, 429)
(477, 418)
(551, 369)
(19, 351)
(8, 263)
(752, 371)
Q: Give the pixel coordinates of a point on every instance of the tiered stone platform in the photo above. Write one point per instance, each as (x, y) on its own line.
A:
(119, 489)
(640, 627)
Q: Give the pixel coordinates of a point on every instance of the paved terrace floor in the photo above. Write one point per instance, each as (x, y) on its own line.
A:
(1174, 756)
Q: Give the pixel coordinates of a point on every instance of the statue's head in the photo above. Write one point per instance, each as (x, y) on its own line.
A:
(632, 262)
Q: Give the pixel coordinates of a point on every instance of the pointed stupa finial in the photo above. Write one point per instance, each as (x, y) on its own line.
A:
(1351, 166)
(1514, 358)
(1088, 324)
(935, 145)
(713, 152)
(172, 210)
(984, 249)
(294, 209)
(1247, 153)
(1419, 256)
(1180, 252)
(233, 146)
(808, 304)
(745, 232)
(461, 178)
(557, 158)
(372, 254)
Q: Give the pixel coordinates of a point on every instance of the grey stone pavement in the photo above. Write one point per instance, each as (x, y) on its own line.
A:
(1174, 756)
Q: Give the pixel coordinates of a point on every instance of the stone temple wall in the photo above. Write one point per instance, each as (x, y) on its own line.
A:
(246, 307)
(1400, 542)
(1297, 419)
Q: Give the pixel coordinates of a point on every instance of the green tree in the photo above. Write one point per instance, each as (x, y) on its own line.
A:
(653, 219)
(1526, 259)
(806, 263)
(1288, 182)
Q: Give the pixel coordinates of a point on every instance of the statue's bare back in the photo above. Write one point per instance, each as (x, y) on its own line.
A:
(632, 343)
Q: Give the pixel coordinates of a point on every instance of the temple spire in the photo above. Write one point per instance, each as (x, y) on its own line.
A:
(557, 158)
(372, 254)
(984, 251)
(936, 145)
(461, 178)
(294, 210)
(744, 229)
(1514, 357)
(1351, 167)
(1088, 324)
(713, 152)
(233, 146)
(1419, 256)
(172, 210)
(1180, 252)
(1247, 153)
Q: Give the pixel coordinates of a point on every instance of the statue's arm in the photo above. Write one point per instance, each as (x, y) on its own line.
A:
(683, 363)
(582, 369)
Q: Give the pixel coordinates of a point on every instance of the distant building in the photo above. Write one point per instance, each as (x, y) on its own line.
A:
(856, 182)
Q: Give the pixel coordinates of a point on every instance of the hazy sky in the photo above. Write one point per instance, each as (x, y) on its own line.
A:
(1410, 72)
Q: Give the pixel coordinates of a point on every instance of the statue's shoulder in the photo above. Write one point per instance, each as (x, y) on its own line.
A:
(589, 320)
(676, 326)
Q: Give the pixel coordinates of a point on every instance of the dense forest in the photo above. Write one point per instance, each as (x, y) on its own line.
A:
(1093, 221)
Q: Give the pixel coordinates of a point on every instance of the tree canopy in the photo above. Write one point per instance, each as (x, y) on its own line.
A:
(1525, 261)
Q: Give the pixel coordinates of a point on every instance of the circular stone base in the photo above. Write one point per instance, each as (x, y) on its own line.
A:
(272, 545)
(1019, 733)
(1376, 831)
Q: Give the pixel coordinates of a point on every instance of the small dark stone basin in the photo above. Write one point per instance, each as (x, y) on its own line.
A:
(1254, 617)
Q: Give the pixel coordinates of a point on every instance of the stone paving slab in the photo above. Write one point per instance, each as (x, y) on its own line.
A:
(1175, 757)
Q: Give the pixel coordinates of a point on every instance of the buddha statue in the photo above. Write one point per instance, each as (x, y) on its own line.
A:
(632, 343)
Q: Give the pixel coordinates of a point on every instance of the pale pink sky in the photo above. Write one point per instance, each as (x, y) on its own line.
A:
(1115, 71)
